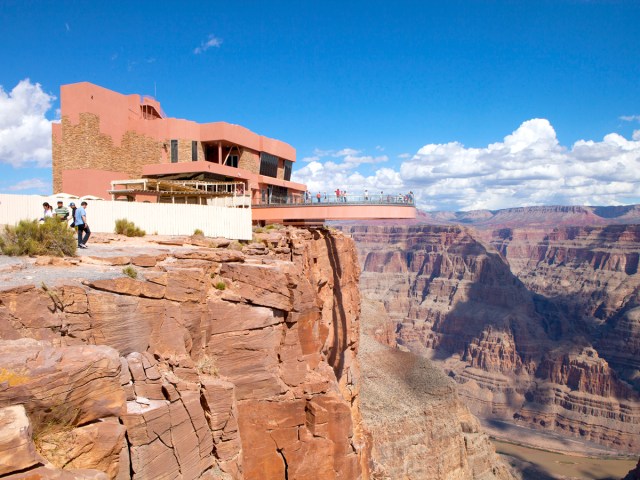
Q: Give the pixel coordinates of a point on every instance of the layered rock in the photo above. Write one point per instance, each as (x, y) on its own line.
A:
(418, 426)
(213, 363)
(518, 352)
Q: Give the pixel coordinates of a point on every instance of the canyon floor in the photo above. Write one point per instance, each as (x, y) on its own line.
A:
(537, 464)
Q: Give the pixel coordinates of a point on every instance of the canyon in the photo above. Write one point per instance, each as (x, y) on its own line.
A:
(215, 360)
(539, 325)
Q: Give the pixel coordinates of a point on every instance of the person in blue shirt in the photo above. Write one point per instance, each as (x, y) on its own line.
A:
(80, 219)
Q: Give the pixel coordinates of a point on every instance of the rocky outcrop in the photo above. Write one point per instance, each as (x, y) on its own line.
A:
(520, 349)
(417, 425)
(211, 363)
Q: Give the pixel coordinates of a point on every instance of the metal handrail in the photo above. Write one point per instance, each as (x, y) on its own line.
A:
(333, 200)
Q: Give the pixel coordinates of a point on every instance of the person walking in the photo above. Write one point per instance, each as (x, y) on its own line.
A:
(62, 212)
(82, 225)
(48, 211)
(319, 197)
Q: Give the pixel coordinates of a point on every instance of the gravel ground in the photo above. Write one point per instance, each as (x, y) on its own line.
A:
(18, 271)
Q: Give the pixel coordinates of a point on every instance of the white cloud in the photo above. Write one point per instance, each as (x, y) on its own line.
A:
(630, 118)
(212, 41)
(346, 151)
(529, 167)
(313, 158)
(25, 132)
(35, 184)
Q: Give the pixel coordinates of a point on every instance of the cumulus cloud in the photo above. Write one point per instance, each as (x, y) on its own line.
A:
(212, 41)
(34, 184)
(25, 132)
(529, 167)
(630, 118)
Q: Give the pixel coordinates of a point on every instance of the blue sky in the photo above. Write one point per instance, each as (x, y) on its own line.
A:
(470, 104)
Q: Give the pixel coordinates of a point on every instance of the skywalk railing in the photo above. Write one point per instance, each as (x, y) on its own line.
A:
(333, 200)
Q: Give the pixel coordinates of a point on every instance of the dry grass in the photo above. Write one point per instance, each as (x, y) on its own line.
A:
(206, 365)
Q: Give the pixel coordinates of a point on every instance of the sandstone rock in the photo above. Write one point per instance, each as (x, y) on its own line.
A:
(17, 451)
(192, 362)
(45, 473)
(74, 385)
(96, 446)
(261, 285)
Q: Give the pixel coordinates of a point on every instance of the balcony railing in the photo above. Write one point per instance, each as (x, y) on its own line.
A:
(333, 200)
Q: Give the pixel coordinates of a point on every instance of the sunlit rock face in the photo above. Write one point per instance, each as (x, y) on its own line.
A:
(212, 362)
(539, 326)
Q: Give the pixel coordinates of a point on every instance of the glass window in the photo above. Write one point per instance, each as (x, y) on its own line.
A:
(194, 151)
(268, 165)
(174, 151)
(288, 165)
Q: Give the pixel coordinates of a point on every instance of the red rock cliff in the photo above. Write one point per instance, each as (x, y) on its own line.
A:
(213, 363)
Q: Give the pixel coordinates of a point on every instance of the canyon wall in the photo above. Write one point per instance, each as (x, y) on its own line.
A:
(553, 347)
(216, 363)
(213, 363)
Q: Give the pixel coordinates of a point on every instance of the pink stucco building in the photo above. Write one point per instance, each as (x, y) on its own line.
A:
(105, 136)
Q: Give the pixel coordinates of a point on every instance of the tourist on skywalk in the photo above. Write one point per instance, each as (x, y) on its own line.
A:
(366, 195)
(319, 197)
(337, 194)
(344, 196)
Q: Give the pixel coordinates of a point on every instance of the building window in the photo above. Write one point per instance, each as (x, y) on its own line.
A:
(287, 169)
(232, 161)
(174, 151)
(268, 165)
(194, 151)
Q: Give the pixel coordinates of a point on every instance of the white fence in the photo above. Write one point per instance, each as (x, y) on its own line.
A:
(154, 218)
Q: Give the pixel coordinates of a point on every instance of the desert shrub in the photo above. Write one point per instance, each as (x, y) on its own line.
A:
(130, 271)
(220, 285)
(125, 227)
(197, 231)
(271, 226)
(235, 245)
(30, 237)
(206, 365)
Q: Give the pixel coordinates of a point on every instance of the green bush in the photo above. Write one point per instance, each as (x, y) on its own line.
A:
(125, 227)
(220, 285)
(197, 231)
(130, 271)
(29, 237)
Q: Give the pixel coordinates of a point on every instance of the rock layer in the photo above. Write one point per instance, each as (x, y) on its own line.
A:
(213, 363)
(554, 349)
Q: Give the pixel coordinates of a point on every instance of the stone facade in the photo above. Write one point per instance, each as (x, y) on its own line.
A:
(249, 160)
(85, 146)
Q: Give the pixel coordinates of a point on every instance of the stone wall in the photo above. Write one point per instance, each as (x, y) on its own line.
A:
(84, 146)
(249, 160)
